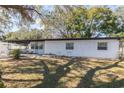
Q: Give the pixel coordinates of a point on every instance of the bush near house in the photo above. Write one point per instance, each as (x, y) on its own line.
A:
(15, 53)
(1, 83)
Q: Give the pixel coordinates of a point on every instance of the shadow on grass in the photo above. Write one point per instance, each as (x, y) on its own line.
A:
(51, 79)
(87, 80)
(114, 84)
(53, 72)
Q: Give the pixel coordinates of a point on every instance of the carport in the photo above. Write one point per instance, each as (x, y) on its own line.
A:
(4, 49)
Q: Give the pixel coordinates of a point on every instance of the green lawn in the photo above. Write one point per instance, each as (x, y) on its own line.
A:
(62, 72)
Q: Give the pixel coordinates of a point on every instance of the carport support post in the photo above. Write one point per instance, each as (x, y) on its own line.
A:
(121, 50)
(0, 74)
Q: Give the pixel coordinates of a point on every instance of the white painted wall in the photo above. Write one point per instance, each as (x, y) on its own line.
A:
(16, 46)
(4, 51)
(83, 48)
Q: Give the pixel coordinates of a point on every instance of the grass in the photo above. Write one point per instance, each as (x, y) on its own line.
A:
(62, 72)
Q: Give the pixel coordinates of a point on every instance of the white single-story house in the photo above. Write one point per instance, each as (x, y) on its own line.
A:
(104, 47)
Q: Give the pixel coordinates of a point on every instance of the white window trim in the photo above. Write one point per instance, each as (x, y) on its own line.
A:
(66, 46)
(106, 47)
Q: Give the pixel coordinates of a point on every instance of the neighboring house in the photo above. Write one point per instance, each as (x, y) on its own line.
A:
(106, 47)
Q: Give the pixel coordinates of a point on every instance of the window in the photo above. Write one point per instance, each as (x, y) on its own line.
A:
(69, 46)
(40, 46)
(36, 45)
(32, 46)
(102, 46)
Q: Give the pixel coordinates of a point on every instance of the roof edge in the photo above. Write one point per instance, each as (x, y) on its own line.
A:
(57, 39)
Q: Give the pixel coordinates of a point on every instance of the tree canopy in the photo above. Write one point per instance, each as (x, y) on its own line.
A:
(25, 34)
(80, 21)
(61, 21)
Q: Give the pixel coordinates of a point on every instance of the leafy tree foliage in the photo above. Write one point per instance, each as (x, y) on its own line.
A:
(79, 21)
(62, 21)
(120, 22)
(99, 20)
(25, 34)
(18, 15)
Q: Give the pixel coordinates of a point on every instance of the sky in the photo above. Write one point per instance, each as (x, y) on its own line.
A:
(113, 7)
(49, 7)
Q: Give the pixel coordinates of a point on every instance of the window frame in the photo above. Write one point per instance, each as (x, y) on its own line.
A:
(33, 45)
(36, 45)
(69, 47)
(101, 47)
(39, 46)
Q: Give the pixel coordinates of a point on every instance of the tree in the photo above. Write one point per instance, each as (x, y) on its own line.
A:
(102, 19)
(76, 22)
(26, 34)
(54, 21)
(93, 20)
(64, 21)
(79, 21)
(18, 15)
(120, 22)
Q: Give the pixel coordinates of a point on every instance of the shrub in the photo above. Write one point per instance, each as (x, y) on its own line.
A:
(1, 85)
(15, 53)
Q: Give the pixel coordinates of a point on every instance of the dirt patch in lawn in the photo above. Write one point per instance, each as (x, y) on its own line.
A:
(62, 72)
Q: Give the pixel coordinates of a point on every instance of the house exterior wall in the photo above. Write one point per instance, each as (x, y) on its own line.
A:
(4, 51)
(83, 48)
(5, 48)
(16, 46)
